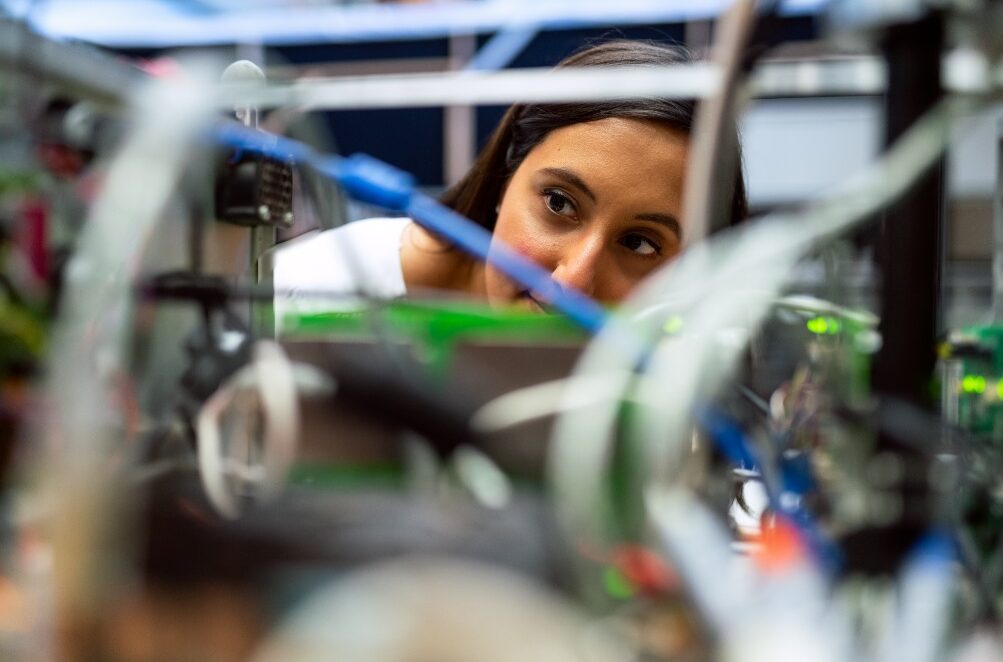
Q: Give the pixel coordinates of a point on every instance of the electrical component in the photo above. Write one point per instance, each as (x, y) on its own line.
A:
(253, 189)
(971, 375)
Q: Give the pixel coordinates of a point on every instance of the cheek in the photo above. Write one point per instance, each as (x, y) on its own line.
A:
(614, 288)
(621, 283)
(522, 231)
(516, 229)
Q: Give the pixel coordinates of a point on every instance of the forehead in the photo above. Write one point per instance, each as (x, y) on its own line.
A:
(612, 154)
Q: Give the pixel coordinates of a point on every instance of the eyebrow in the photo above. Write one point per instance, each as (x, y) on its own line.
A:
(671, 222)
(571, 177)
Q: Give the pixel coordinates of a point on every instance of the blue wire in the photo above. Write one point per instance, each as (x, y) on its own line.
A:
(476, 241)
(732, 442)
(373, 181)
(937, 547)
(503, 48)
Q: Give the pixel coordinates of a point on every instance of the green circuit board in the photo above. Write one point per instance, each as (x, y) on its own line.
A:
(971, 370)
(435, 327)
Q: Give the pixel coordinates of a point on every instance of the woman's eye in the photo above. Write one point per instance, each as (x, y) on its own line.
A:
(640, 244)
(559, 203)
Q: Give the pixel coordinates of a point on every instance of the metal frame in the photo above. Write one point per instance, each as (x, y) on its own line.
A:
(81, 69)
(836, 77)
(333, 24)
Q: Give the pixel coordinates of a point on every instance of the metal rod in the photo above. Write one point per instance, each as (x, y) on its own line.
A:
(997, 310)
(83, 70)
(909, 247)
(851, 76)
(368, 22)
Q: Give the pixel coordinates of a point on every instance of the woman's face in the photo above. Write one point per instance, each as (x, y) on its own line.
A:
(597, 204)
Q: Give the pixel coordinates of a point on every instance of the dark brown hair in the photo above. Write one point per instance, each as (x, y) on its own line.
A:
(523, 127)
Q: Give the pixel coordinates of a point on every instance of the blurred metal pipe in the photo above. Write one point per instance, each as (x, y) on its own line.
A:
(845, 77)
(368, 21)
(852, 76)
(80, 69)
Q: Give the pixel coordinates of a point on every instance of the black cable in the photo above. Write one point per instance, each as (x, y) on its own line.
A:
(378, 389)
(754, 399)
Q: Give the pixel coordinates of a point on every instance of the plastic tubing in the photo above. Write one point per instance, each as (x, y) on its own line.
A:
(373, 181)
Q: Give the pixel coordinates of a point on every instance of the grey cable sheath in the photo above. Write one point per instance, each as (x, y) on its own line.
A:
(88, 358)
(712, 144)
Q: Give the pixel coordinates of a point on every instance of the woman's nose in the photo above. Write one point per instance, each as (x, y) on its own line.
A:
(578, 265)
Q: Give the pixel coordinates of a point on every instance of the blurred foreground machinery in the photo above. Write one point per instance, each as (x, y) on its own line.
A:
(727, 469)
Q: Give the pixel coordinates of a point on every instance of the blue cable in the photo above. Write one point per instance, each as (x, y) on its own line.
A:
(381, 184)
(503, 48)
(476, 241)
(937, 547)
(732, 442)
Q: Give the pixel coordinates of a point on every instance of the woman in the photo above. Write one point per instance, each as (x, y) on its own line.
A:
(590, 191)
